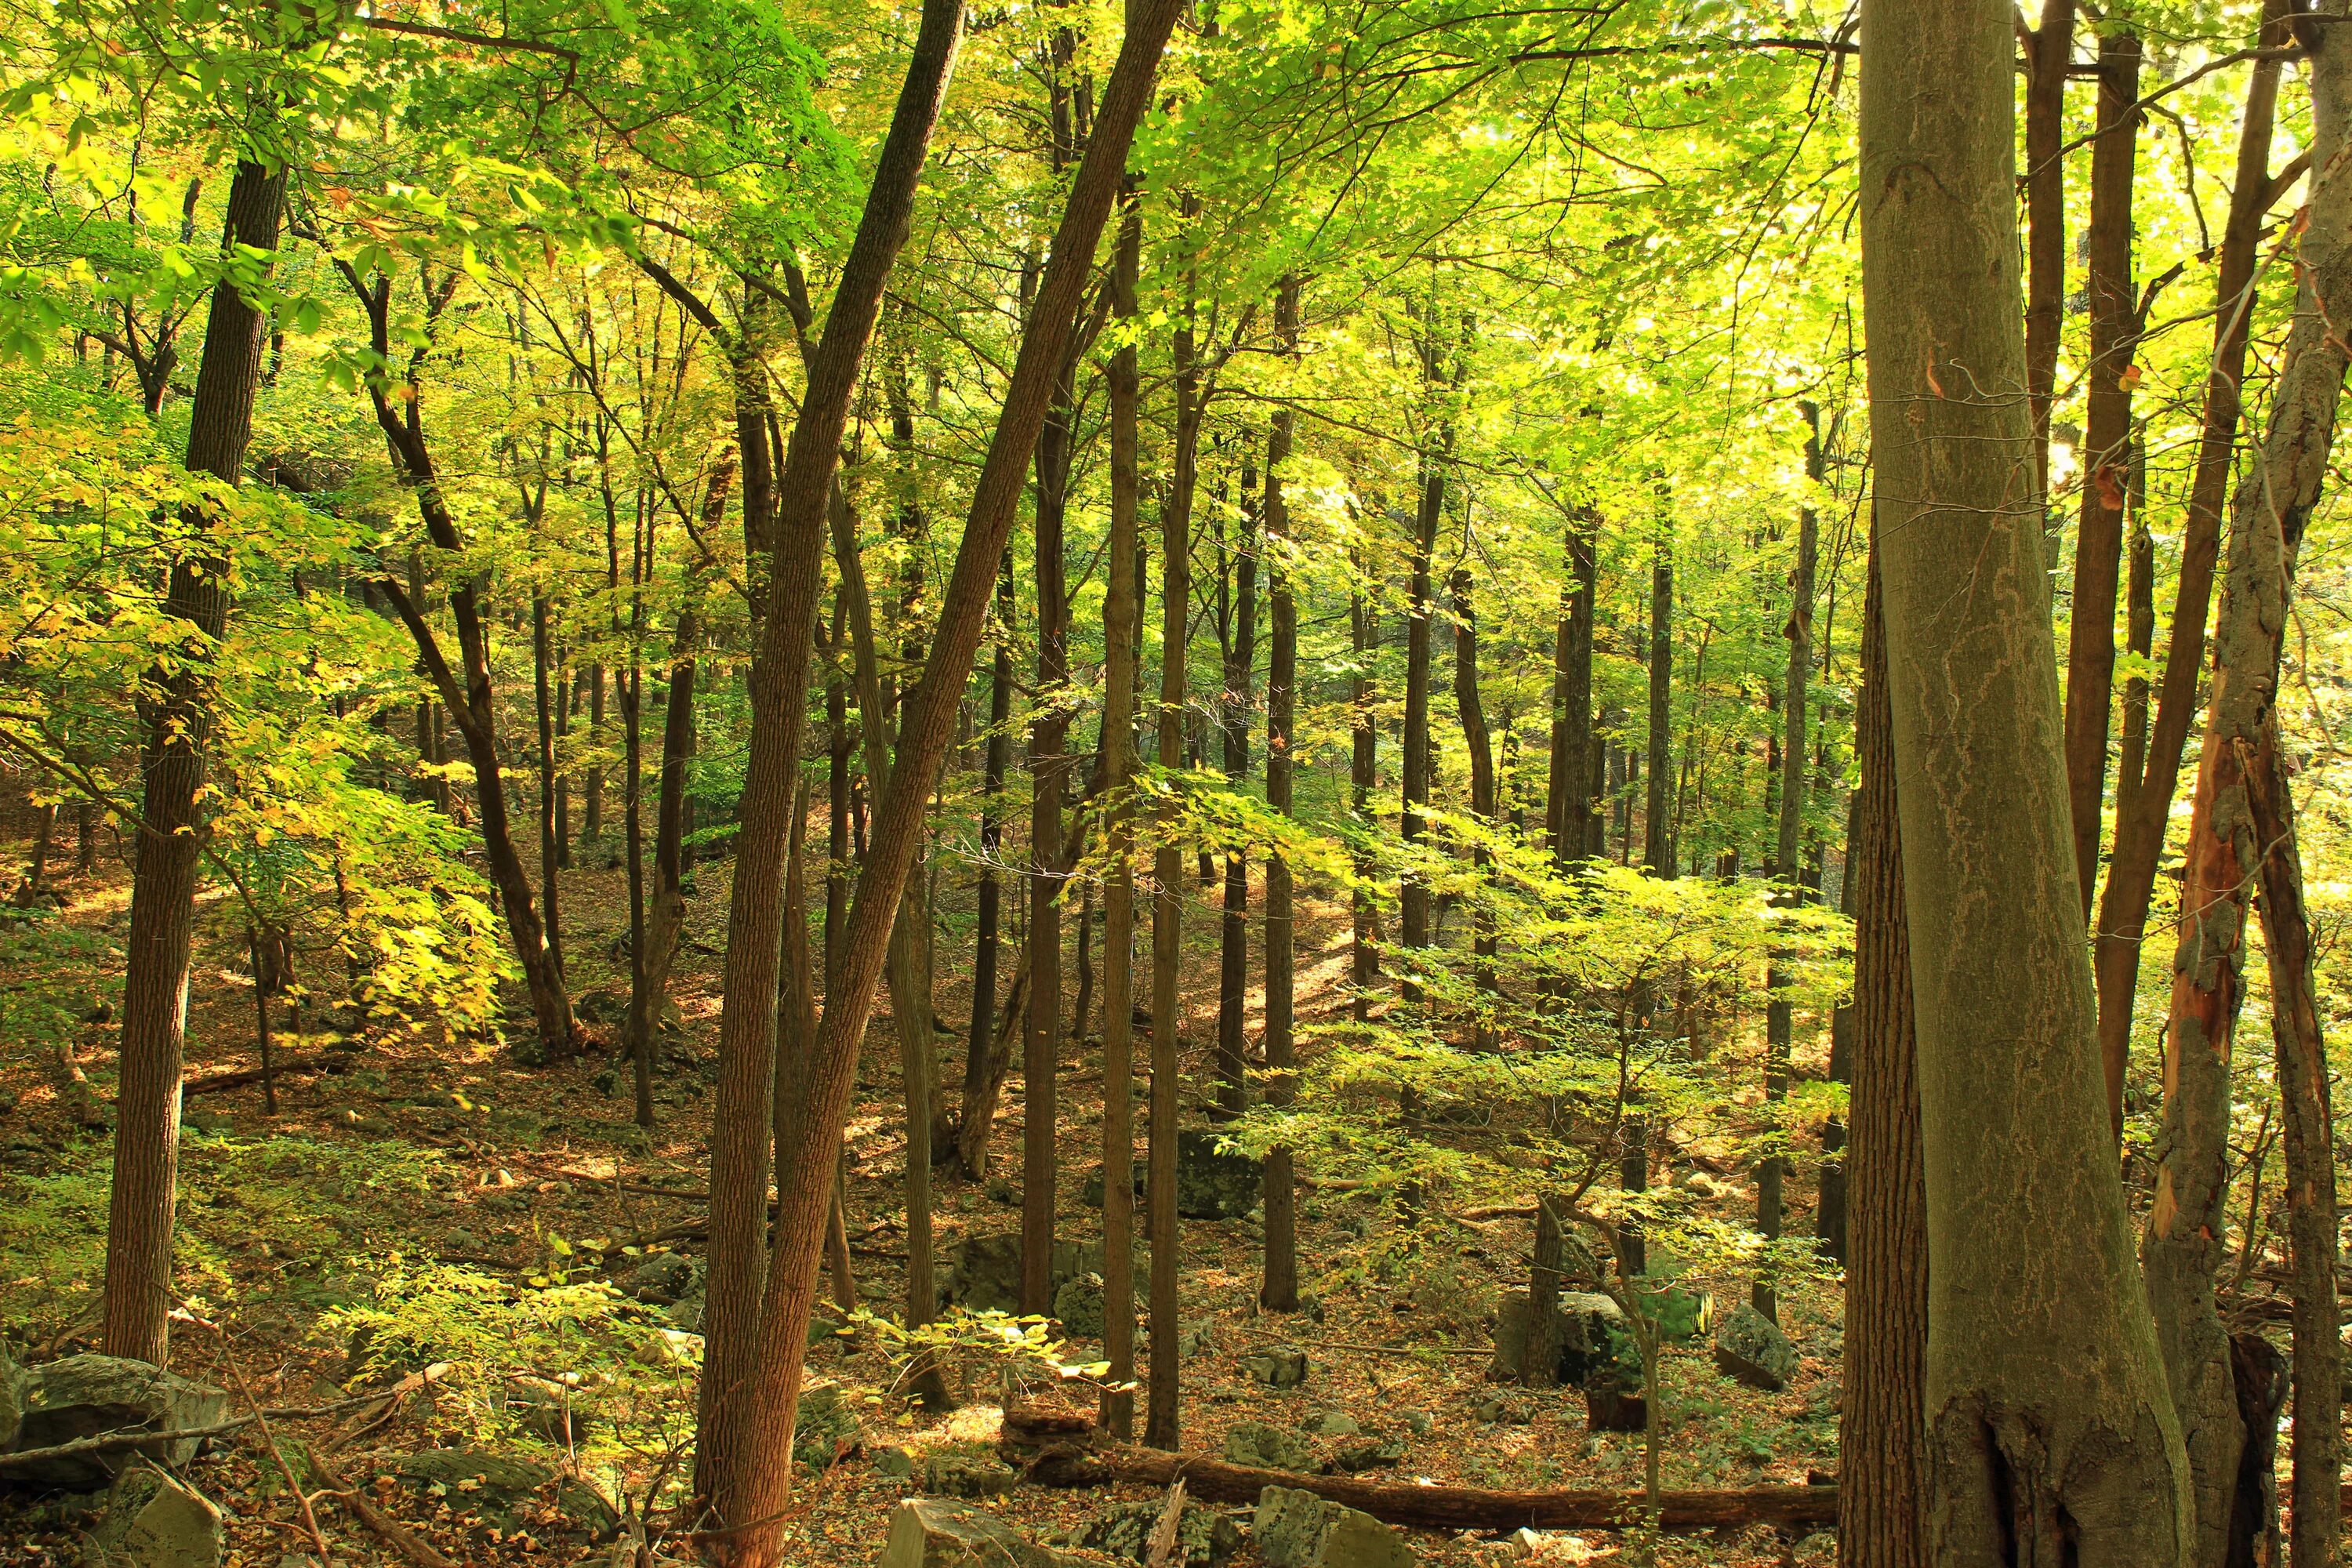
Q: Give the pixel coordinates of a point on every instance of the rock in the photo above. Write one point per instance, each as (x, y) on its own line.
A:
(604, 1005)
(1334, 1424)
(662, 1278)
(1211, 1184)
(154, 1522)
(1079, 1306)
(984, 1272)
(932, 1533)
(1204, 1538)
(1298, 1530)
(1606, 1410)
(1750, 1348)
(1590, 1328)
(1199, 1339)
(967, 1476)
(84, 1395)
(500, 1487)
(1266, 1447)
(12, 1400)
(827, 1428)
(1373, 1454)
(1499, 1410)
(1091, 1193)
(550, 1411)
(892, 1463)
(1421, 1423)
(1279, 1368)
(460, 1240)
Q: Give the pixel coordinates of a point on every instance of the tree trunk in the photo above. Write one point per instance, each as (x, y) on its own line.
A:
(2139, 830)
(2188, 1225)
(1420, 606)
(551, 822)
(592, 784)
(746, 1398)
(1278, 1290)
(1233, 934)
(2050, 1433)
(1779, 1022)
(1048, 738)
(1657, 844)
(2106, 452)
(1363, 770)
(1570, 812)
(175, 719)
(1479, 745)
(2049, 51)
(1163, 1425)
(981, 1080)
(746, 1488)
(1882, 1422)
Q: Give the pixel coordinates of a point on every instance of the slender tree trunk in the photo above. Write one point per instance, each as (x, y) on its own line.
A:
(2050, 1433)
(592, 783)
(2139, 636)
(2188, 1224)
(1779, 1024)
(2139, 831)
(2106, 454)
(1363, 765)
(749, 1487)
(1882, 1482)
(1162, 1423)
(1048, 739)
(981, 1080)
(750, 1384)
(1479, 745)
(175, 721)
(2049, 52)
(1123, 617)
(1278, 1290)
(1574, 816)
(1436, 448)
(1657, 844)
(548, 696)
(1239, 699)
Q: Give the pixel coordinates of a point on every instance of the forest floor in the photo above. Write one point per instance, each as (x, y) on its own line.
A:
(430, 1205)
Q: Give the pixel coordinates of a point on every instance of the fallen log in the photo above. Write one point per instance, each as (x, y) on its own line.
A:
(239, 1078)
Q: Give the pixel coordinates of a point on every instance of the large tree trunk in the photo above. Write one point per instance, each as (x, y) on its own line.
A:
(2050, 1433)
(739, 1422)
(2107, 455)
(1882, 1496)
(1122, 619)
(1278, 1291)
(2140, 820)
(1162, 1425)
(177, 716)
(2188, 1225)
(747, 1488)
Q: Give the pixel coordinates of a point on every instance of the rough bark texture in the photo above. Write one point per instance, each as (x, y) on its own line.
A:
(743, 1413)
(2106, 453)
(175, 715)
(2139, 830)
(1881, 1421)
(2225, 854)
(746, 1490)
(2050, 1433)
(1278, 1291)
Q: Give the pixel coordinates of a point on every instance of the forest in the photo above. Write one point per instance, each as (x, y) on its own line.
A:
(1202, 782)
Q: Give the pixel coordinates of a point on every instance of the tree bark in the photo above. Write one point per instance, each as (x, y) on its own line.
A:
(547, 691)
(2224, 857)
(1363, 773)
(1420, 606)
(1882, 1421)
(1657, 841)
(175, 721)
(2139, 831)
(2106, 454)
(747, 1488)
(742, 1413)
(1570, 812)
(1239, 698)
(2050, 1433)
(981, 1080)
(2049, 51)
(1479, 745)
(1278, 1290)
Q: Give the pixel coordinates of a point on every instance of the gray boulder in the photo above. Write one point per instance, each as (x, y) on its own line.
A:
(12, 1400)
(499, 1488)
(154, 1522)
(826, 1426)
(1213, 1184)
(1750, 1348)
(1204, 1538)
(932, 1533)
(1282, 1367)
(1079, 1306)
(983, 1271)
(973, 1476)
(1264, 1447)
(662, 1280)
(1590, 1327)
(88, 1395)
(1298, 1530)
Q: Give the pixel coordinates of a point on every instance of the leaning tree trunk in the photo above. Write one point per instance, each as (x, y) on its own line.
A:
(1881, 1483)
(737, 1430)
(2225, 855)
(747, 1489)
(2144, 809)
(177, 715)
(2049, 1432)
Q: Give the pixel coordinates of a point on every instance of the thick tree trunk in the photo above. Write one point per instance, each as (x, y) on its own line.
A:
(1122, 618)
(744, 1420)
(176, 720)
(1882, 1422)
(1162, 1424)
(2106, 453)
(2049, 1432)
(2188, 1225)
(2140, 827)
(747, 1486)
(1278, 1291)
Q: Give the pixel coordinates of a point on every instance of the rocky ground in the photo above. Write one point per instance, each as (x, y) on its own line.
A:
(461, 1293)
